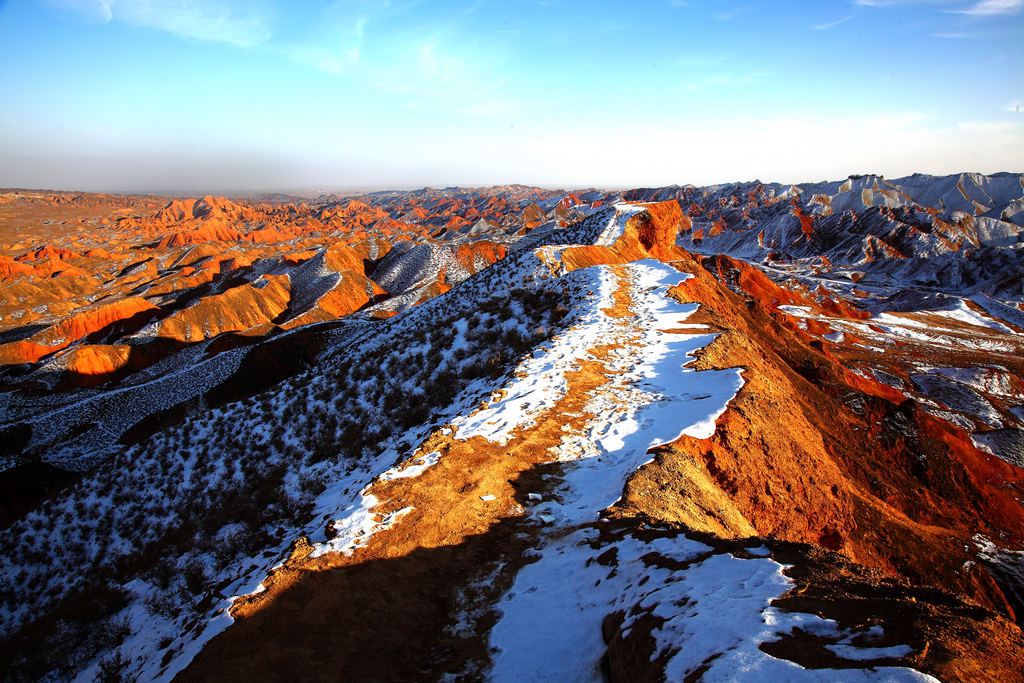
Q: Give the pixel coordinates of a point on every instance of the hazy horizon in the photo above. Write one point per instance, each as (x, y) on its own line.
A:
(169, 97)
(314, 192)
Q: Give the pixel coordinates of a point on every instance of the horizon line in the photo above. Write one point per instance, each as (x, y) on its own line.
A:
(359, 190)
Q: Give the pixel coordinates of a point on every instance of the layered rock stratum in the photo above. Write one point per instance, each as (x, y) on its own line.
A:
(748, 431)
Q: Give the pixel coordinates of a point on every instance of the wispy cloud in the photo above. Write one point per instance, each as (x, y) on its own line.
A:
(897, 3)
(224, 21)
(830, 24)
(434, 67)
(730, 14)
(987, 8)
(374, 44)
(334, 49)
(95, 10)
(431, 76)
(980, 8)
(610, 26)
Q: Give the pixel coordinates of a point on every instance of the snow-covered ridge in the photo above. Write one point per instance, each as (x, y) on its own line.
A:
(617, 224)
(551, 628)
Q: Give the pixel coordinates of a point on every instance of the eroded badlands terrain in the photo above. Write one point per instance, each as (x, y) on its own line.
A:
(750, 431)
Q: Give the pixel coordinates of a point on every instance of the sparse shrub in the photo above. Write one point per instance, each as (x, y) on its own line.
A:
(194, 576)
(161, 604)
(114, 631)
(111, 668)
(311, 483)
(161, 574)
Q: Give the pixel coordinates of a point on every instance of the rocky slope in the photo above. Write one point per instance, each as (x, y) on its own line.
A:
(748, 431)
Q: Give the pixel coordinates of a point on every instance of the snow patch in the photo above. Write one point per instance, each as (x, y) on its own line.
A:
(540, 380)
(356, 527)
(413, 469)
(716, 611)
(617, 224)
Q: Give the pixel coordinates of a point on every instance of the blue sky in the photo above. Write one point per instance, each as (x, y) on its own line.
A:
(165, 95)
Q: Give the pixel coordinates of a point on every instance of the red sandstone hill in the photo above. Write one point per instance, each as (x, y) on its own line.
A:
(210, 231)
(203, 209)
